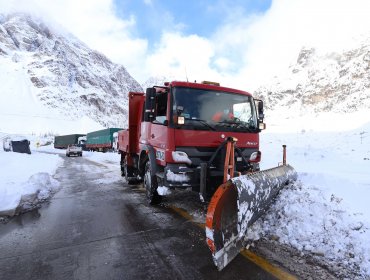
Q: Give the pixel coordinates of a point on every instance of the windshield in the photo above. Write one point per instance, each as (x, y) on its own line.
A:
(214, 110)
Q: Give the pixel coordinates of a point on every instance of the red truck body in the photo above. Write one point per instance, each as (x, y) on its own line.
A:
(171, 127)
(199, 136)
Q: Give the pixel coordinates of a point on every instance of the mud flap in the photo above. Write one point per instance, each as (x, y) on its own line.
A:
(236, 205)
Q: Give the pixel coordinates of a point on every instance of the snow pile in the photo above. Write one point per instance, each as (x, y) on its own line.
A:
(181, 157)
(256, 189)
(174, 177)
(326, 212)
(25, 180)
(304, 218)
(162, 190)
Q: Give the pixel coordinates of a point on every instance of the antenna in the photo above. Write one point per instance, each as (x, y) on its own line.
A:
(186, 74)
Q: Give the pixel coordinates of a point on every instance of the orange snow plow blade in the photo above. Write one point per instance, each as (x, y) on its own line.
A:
(236, 205)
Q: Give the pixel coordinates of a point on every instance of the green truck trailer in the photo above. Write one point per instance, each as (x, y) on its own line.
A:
(62, 141)
(101, 140)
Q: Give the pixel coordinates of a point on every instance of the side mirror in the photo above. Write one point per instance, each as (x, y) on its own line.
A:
(179, 110)
(260, 113)
(149, 113)
(178, 118)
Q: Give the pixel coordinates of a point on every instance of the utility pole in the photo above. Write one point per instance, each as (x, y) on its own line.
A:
(362, 135)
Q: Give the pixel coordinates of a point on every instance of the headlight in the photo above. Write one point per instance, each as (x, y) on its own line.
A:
(178, 156)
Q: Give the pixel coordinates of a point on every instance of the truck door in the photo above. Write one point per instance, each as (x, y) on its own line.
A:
(157, 130)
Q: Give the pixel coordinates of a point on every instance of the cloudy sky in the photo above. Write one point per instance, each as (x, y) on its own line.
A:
(238, 43)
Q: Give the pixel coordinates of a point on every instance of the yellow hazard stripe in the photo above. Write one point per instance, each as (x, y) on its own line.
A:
(265, 265)
(261, 262)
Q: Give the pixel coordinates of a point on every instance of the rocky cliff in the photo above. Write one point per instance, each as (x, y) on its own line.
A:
(336, 82)
(66, 75)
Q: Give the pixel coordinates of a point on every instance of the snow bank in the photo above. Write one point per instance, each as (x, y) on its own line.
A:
(326, 212)
(304, 218)
(25, 180)
(104, 158)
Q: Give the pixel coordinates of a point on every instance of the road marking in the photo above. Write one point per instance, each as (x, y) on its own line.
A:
(259, 261)
(265, 265)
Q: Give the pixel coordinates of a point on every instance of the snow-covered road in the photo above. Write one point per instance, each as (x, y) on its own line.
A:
(325, 214)
(98, 227)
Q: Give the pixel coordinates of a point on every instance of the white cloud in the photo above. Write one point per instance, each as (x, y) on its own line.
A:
(181, 57)
(247, 51)
(148, 2)
(266, 44)
(95, 23)
(241, 53)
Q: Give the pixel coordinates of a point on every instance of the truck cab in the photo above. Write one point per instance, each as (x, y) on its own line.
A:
(82, 142)
(177, 134)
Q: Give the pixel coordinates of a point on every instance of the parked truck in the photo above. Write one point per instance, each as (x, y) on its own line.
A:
(101, 140)
(62, 141)
(205, 137)
(115, 141)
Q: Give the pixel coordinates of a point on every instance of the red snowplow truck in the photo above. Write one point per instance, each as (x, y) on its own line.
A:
(205, 137)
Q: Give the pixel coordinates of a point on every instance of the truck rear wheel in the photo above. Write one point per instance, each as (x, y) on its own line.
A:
(151, 185)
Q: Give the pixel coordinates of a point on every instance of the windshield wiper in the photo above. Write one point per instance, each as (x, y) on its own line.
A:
(236, 124)
(206, 124)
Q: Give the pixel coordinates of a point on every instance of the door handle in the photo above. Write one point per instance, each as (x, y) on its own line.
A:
(152, 135)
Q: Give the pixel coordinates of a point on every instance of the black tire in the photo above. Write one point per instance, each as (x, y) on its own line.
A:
(151, 185)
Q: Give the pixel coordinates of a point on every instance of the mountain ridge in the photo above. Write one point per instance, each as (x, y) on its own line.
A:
(67, 76)
(336, 82)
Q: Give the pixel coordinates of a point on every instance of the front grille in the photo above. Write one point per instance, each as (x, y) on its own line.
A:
(203, 154)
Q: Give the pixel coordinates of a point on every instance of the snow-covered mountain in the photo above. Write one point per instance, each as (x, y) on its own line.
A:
(51, 74)
(334, 82)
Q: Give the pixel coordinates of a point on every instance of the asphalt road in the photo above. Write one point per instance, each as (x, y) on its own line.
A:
(97, 227)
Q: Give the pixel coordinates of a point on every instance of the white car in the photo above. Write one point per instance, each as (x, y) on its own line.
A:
(75, 150)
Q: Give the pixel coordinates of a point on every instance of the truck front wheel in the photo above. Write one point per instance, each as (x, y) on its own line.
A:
(151, 185)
